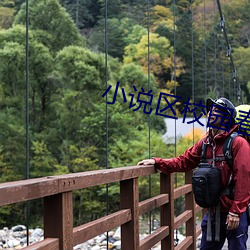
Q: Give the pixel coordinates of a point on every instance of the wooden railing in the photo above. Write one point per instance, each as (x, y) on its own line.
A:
(56, 192)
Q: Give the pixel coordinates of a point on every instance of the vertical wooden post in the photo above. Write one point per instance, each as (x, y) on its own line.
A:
(190, 205)
(167, 210)
(129, 192)
(58, 219)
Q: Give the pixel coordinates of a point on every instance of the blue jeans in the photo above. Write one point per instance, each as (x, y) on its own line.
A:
(237, 238)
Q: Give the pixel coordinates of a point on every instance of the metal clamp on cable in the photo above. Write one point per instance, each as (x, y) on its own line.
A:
(222, 24)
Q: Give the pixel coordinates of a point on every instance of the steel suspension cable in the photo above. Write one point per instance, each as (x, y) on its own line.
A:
(229, 83)
(106, 81)
(77, 13)
(174, 73)
(222, 68)
(192, 77)
(175, 93)
(229, 53)
(27, 207)
(149, 142)
(205, 51)
(215, 52)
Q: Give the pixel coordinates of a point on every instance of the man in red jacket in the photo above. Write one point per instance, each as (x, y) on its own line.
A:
(233, 212)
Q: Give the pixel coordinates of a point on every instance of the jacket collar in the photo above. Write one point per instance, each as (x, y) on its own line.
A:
(220, 136)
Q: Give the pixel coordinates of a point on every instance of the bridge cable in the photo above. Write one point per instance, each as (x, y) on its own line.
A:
(215, 53)
(149, 142)
(175, 93)
(229, 54)
(27, 204)
(229, 83)
(77, 13)
(205, 50)
(106, 81)
(222, 68)
(174, 77)
(192, 77)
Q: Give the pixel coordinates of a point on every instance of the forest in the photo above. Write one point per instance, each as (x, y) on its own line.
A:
(78, 50)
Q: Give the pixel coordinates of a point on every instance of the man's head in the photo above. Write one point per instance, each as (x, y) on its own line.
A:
(224, 103)
(220, 109)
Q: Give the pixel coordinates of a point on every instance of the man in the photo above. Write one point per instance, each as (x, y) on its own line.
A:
(233, 215)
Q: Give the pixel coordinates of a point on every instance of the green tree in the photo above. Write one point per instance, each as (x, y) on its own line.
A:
(53, 25)
(132, 75)
(117, 32)
(161, 57)
(6, 17)
(42, 163)
(161, 16)
(84, 13)
(13, 60)
(12, 108)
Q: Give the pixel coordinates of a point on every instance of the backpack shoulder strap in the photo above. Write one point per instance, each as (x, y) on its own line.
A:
(227, 148)
(203, 152)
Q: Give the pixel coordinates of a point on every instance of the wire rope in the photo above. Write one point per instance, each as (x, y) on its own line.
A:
(192, 76)
(222, 68)
(107, 120)
(223, 80)
(215, 52)
(27, 207)
(175, 93)
(174, 73)
(205, 50)
(77, 13)
(149, 142)
(229, 83)
(221, 46)
(230, 56)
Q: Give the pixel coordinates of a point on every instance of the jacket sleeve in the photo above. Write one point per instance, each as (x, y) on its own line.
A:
(185, 162)
(241, 175)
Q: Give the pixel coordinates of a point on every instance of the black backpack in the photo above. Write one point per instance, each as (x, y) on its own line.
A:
(206, 180)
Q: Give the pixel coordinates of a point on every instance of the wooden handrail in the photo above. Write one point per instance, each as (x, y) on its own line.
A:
(90, 230)
(58, 208)
(24, 190)
(47, 244)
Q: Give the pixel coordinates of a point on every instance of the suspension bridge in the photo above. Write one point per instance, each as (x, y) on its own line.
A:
(56, 191)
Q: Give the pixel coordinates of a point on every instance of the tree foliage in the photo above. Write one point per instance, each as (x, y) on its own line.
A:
(53, 25)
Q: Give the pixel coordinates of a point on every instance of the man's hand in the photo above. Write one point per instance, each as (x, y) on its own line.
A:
(232, 221)
(146, 162)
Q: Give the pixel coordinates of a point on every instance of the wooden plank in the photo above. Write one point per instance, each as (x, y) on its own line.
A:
(58, 219)
(24, 190)
(129, 196)
(185, 244)
(182, 218)
(154, 238)
(152, 203)
(90, 230)
(190, 205)
(167, 210)
(46, 244)
(178, 192)
(94, 178)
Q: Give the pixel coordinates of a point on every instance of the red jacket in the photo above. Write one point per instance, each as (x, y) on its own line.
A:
(241, 167)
